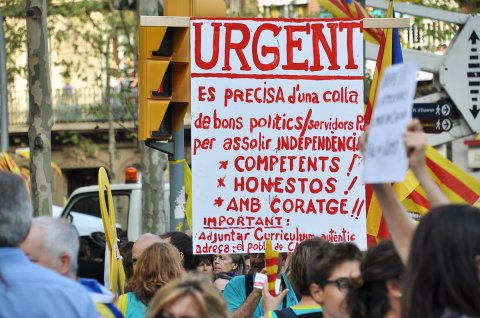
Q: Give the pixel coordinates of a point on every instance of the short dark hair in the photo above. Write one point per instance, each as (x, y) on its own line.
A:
(202, 258)
(322, 265)
(184, 244)
(369, 298)
(300, 258)
(442, 269)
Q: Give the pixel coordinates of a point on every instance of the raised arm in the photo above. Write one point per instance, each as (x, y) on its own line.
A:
(415, 142)
(401, 225)
(399, 222)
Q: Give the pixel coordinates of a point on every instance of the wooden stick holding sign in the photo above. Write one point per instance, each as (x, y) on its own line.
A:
(116, 271)
(368, 23)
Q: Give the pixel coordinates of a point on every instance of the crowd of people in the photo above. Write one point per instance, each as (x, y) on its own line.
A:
(429, 270)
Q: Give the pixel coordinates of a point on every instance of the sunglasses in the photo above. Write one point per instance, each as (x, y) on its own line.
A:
(343, 284)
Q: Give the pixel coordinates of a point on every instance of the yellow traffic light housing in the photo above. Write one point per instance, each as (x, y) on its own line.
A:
(164, 66)
(164, 78)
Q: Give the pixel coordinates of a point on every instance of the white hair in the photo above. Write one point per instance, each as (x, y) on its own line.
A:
(15, 210)
(59, 237)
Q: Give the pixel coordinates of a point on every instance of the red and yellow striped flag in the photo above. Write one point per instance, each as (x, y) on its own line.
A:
(351, 9)
(458, 186)
(390, 52)
(271, 261)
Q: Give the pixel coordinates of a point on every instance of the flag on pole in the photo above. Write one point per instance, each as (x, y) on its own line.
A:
(351, 9)
(390, 52)
(271, 261)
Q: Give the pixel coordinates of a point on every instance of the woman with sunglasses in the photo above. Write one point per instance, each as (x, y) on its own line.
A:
(331, 276)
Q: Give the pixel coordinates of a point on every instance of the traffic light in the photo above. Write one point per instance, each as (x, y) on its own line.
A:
(164, 66)
(164, 79)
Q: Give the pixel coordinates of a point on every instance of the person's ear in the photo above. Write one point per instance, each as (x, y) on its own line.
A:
(317, 293)
(182, 257)
(64, 265)
(394, 288)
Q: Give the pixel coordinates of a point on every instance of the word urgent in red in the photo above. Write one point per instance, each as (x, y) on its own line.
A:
(236, 37)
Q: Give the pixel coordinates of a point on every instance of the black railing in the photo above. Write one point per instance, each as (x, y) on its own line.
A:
(75, 106)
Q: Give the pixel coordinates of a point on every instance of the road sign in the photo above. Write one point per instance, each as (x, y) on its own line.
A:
(436, 125)
(460, 72)
(431, 110)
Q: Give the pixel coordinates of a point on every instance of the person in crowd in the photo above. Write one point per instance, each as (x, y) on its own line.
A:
(246, 257)
(442, 277)
(127, 260)
(220, 280)
(233, 264)
(378, 293)
(157, 265)
(142, 243)
(184, 244)
(28, 289)
(204, 263)
(331, 275)
(54, 244)
(307, 307)
(245, 301)
(191, 296)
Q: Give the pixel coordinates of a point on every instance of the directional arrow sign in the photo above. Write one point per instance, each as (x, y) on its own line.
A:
(431, 110)
(436, 126)
(473, 37)
(460, 72)
(474, 111)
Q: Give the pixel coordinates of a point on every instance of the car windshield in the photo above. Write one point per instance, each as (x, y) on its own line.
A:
(88, 218)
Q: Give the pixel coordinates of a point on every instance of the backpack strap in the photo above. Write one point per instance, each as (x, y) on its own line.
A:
(248, 284)
(286, 313)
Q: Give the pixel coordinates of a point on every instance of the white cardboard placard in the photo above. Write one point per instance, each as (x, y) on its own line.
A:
(277, 110)
(385, 158)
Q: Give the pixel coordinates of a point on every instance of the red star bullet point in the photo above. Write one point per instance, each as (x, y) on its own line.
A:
(218, 202)
(223, 164)
(221, 182)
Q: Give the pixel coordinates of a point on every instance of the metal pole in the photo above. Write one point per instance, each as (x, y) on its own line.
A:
(177, 186)
(4, 144)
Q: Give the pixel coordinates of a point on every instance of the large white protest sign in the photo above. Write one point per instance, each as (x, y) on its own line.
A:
(385, 158)
(277, 110)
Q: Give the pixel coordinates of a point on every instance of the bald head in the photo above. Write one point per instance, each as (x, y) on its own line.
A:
(142, 243)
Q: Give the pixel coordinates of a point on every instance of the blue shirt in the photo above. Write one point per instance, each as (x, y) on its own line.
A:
(235, 295)
(29, 290)
(135, 308)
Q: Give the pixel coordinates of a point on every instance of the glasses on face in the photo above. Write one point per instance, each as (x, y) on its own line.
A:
(343, 284)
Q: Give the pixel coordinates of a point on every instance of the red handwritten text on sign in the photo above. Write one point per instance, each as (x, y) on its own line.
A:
(277, 111)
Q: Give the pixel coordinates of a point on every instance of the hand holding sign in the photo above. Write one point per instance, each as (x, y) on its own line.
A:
(415, 141)
(390, 118)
